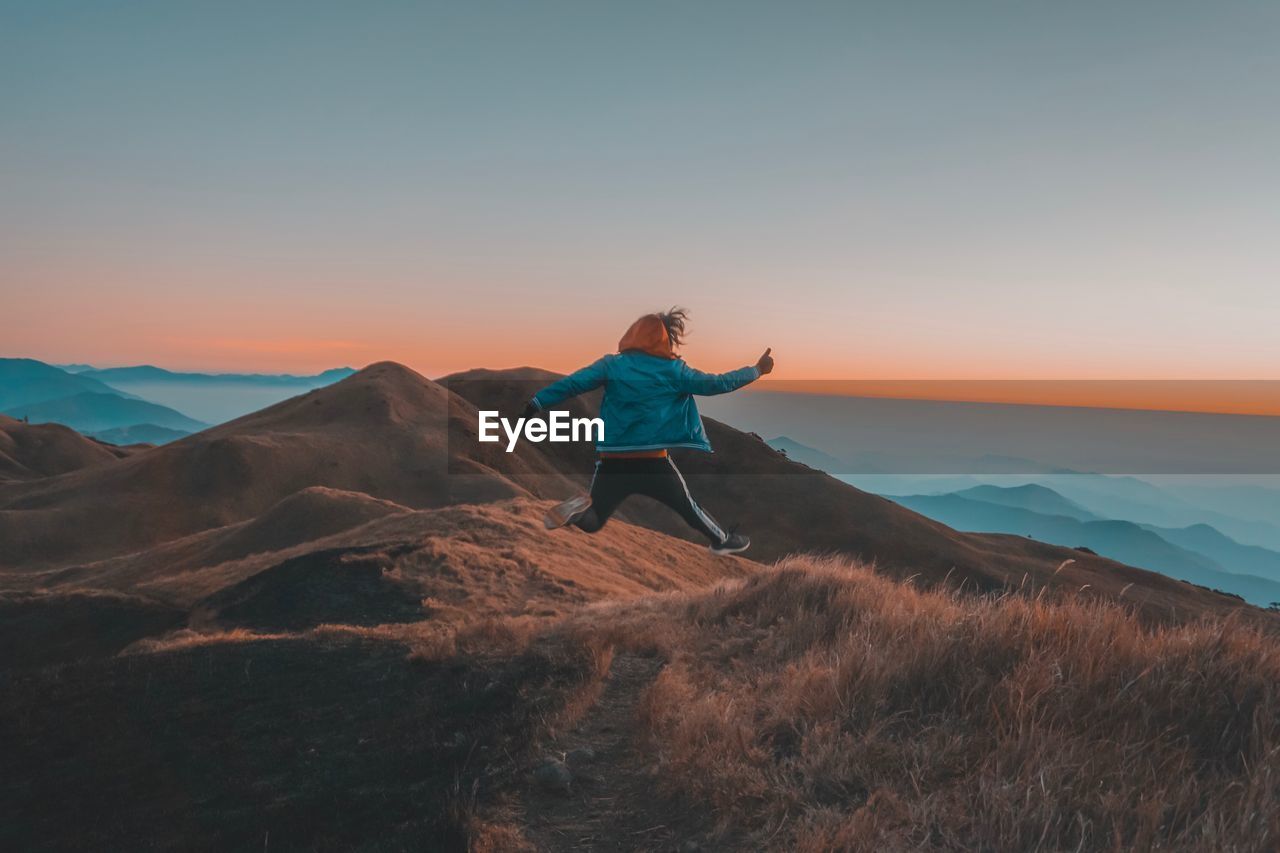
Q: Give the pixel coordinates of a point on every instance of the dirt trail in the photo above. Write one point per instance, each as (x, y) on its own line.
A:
(612, 803)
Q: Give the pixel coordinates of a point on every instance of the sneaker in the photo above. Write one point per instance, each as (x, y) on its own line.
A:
(735, 543)
(566, 512)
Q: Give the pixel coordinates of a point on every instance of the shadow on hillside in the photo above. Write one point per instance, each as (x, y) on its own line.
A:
(269, 745)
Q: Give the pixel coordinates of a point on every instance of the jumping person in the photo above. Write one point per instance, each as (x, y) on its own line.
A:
(648, 408)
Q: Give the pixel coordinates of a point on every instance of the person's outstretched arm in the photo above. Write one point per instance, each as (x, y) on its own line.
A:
(578, 382)
(708, 384)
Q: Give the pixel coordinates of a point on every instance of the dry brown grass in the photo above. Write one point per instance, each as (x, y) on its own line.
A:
(817, 706)
(185, 638)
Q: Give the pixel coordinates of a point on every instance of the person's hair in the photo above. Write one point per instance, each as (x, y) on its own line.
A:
(675, 320)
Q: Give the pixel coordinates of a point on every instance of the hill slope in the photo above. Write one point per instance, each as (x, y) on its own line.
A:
(340, 619)
(327, 557)
(32, 451)
(812, 706)
(392, 435)
(383, 432)
(818, 707)
(788, 507)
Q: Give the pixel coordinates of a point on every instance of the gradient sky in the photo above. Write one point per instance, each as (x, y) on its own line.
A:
(876, 190)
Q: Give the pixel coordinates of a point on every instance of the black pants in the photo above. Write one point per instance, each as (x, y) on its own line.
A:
(617, 479)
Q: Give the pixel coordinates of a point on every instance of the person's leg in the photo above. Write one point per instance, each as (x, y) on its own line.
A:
(610, 485)
(665, 484)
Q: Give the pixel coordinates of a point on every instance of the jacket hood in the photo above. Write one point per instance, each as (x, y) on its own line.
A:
(649, 335)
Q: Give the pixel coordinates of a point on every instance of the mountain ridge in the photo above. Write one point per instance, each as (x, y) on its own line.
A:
(152, 373)
(25, 381)
(390, 434)
(91, 412)
(1126, 541)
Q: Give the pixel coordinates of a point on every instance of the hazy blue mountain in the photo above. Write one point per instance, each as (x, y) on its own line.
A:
(151, 373)
(1202, 539)
(1084, 495)
(1245, 500)
(25, 380)
(1032, 496)
(214, 397)
(1120, 540)
(1119, 496)
(807, 455)
(1139, 501)
(74, 368)
(1223, 550)
(139, 434)
(1129, 498)
(90, 412)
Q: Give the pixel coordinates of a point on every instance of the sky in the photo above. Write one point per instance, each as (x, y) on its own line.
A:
(897, 190)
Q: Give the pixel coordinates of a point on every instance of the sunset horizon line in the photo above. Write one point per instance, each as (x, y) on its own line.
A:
(1229, 396)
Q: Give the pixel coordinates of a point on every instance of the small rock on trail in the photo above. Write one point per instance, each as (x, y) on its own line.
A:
(554, 776)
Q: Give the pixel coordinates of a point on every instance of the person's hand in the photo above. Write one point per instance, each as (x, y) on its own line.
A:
(765, 364)
(531, 410)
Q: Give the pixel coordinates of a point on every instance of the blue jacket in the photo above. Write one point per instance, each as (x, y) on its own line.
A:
(648, 400)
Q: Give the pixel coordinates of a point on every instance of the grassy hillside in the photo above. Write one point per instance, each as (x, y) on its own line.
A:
(816, 706)
(339, 623)
(810, 706)
(35, 451)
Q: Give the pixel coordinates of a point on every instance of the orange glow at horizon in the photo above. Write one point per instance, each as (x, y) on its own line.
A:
(457, 350)
(1233, 397)
(301, 326)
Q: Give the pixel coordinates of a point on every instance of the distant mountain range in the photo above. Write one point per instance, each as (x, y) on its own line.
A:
(91, 413)
(1124, 518)
(1244, 500)
(1199, 554)
(1223, 550)
(117, 376)
(142, 404)
(1031, 496)
(212, 397)
(25, 380)
(1248, 514)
